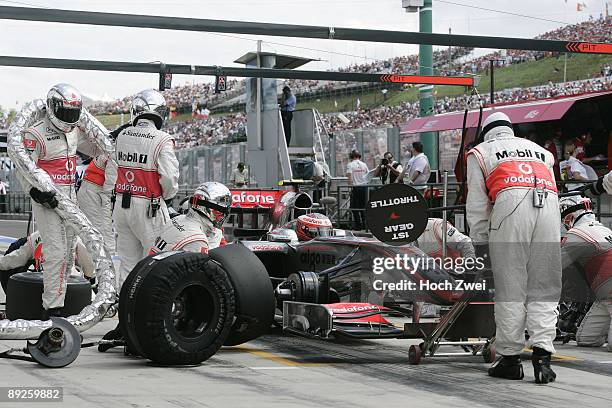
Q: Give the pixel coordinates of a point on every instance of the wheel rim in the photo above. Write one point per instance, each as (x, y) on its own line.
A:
(193, 311)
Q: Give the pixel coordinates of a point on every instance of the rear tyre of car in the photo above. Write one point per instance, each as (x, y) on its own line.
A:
(255, 302)
(176, 308)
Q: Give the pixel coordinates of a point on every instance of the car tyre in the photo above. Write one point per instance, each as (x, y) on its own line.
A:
(176, 308)
(255, 302)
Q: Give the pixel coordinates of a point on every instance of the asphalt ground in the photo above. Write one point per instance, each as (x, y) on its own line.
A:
(279, 370)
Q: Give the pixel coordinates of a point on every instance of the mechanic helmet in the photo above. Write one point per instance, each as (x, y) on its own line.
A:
(313, 225)
(572, 208)
(212, 200)
(149, 104)
(64, 106)
(495, 125)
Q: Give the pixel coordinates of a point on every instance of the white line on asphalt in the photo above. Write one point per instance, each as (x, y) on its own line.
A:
(605, 362)
(274, 368)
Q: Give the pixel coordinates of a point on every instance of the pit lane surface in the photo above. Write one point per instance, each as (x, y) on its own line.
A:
(278, 370)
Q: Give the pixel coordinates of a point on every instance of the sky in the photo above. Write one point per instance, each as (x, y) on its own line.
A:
(34, 39)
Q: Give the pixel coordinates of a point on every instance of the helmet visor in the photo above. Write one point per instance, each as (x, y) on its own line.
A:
(317, 231)
(65, 112)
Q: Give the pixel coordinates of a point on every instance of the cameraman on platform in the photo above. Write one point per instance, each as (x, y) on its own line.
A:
(388, 169)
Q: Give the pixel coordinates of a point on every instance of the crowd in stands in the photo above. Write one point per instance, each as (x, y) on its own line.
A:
(225, 129)
(230, 128)
(178, 97)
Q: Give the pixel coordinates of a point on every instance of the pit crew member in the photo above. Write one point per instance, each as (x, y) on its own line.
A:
(602, 185)
(28, 251)
(200, 229)
(587, 255)
(95, 195)
(51, 143)
(457, 244)
(146, 173)
(512, 205)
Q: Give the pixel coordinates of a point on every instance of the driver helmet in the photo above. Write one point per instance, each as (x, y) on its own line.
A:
(149, 104)
(572, 208)
(64, 105)
(313, 225)
(212, 200)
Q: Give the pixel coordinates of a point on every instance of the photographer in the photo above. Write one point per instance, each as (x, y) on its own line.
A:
(388, 169)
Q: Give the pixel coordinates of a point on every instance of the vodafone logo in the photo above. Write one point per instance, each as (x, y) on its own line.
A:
(251, 197)
(70, 166)
(525, 168)
(129, 176)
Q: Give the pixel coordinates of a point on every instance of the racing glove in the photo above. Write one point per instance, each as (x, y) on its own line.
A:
(45, 198)
(594, 189)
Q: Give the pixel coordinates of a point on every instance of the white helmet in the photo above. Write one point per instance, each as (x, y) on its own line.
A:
(64, 105)
(212, 200)
(149, 104)
(496, 124)
(572, 208)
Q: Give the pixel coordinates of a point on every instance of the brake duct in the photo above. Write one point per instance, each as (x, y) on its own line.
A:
(70, 214)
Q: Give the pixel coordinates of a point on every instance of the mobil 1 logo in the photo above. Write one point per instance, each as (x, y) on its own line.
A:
(396, 214)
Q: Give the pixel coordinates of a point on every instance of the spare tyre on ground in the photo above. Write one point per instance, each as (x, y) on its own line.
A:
(176, 308)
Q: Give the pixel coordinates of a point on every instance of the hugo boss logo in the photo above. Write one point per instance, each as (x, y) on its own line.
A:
(396, 214)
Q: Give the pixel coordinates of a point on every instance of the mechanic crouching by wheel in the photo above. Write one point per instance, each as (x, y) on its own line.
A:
(430, 242)
(146, 172)
(200, 229)
(512, 205)
(587, 256)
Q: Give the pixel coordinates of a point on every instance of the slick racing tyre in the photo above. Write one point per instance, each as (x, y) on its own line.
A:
(255, 303)
(176, 308)
(24, 293)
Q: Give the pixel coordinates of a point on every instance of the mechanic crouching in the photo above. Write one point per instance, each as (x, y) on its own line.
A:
(200, 229)
(458, 245)
(512, 205)
(587, 259)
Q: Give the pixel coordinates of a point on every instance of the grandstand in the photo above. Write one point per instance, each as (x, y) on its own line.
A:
(193, 130)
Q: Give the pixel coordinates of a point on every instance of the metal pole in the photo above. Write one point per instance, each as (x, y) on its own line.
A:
(492, 81)
(565, 68)
(426, 100)
(444, 214)
(258, 100)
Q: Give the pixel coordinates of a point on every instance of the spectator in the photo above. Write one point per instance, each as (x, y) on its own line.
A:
(319, 177)
(418, 167)
(575, 169)
(240, 176)
(288, 102)
(388, 169)
(357, 174)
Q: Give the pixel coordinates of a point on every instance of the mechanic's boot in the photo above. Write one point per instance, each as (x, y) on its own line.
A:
(508, 367)
(52, 312)
(541, 366)
(111, 336)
